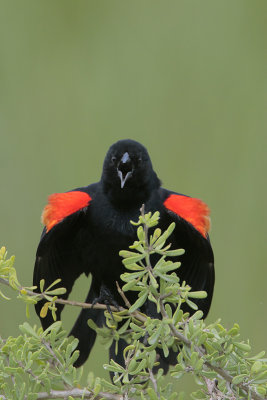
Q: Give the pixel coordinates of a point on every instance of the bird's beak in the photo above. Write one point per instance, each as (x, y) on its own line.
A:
(125, 169)
(124, 178)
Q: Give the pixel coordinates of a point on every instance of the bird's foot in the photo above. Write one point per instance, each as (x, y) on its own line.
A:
(105, 297)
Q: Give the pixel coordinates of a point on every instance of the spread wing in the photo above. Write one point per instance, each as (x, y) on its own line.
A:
(59, 251)
(192, 220)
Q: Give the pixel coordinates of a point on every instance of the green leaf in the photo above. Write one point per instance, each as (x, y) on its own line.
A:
(197, 315)
(177, 316)
(124, 327)
(109, 386)
(132, 366)
(153, 281)
(165, 349)
(152, 394)
(234, 331)
(139, 302)
(136, 328)
(238, 379)
(242, 346)
(132, 260)
(137, 246)
(44, 309)
(135, 267)
(261, 377)
(26, 328)
(22, 391)
(175, 253)
(162, 239)
(191, 304)
(156, 235)
(140, 366)
(53, 284)
(202, 338)
(154, 338)
(256, 367)
(168, 278)
(57, 291)
(71, 347)
(168, 310)
(97, 389)
(113, 368)
(42, 282)
(257, 356)
(201, 294)
(151, 358)
(127, 253)
(199, 395)
(126, 277)
(209, 374)
(261, 390)
(140, 233)
(167, 266)
(129, 286)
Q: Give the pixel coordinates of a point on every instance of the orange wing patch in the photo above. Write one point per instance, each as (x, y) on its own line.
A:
(60, 205)
(192, 210)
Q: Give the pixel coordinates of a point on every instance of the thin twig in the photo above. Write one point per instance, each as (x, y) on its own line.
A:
(76, 392)
(154, 382)
(61, 301)
(141, 317)
(49, 348)
(126, 301)
(29, 371)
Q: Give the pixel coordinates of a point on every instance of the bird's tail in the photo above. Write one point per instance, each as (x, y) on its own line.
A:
(83, 332)
(87, 336)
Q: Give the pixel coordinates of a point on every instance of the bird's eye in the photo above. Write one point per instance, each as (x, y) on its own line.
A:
(113, 160)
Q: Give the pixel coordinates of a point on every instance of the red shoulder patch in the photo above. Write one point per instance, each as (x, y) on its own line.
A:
(60, 205)
(192, 210)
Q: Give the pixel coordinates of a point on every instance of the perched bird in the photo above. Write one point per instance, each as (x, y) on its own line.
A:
(87, 227)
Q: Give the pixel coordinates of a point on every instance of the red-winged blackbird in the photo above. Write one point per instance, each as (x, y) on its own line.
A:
(87, 227)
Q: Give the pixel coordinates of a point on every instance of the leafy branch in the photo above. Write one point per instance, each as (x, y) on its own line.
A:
(39, 365)
(28, 294)
(214, 355)
(35, 361)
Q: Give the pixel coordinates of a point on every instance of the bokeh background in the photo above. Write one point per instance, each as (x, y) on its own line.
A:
(185, 78)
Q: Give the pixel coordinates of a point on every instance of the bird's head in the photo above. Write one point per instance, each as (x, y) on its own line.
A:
(128, 171)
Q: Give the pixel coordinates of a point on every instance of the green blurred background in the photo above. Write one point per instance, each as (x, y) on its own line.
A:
(185, 78)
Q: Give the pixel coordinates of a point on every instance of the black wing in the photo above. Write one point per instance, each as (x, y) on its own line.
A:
(59, 251)
(191, 233)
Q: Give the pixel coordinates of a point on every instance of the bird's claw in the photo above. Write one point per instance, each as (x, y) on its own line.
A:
(105, 297)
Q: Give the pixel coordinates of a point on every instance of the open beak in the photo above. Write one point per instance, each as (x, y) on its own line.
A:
(125, 169)
(124, 178)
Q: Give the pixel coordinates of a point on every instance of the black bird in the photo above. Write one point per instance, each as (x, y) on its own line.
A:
(87, 227)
